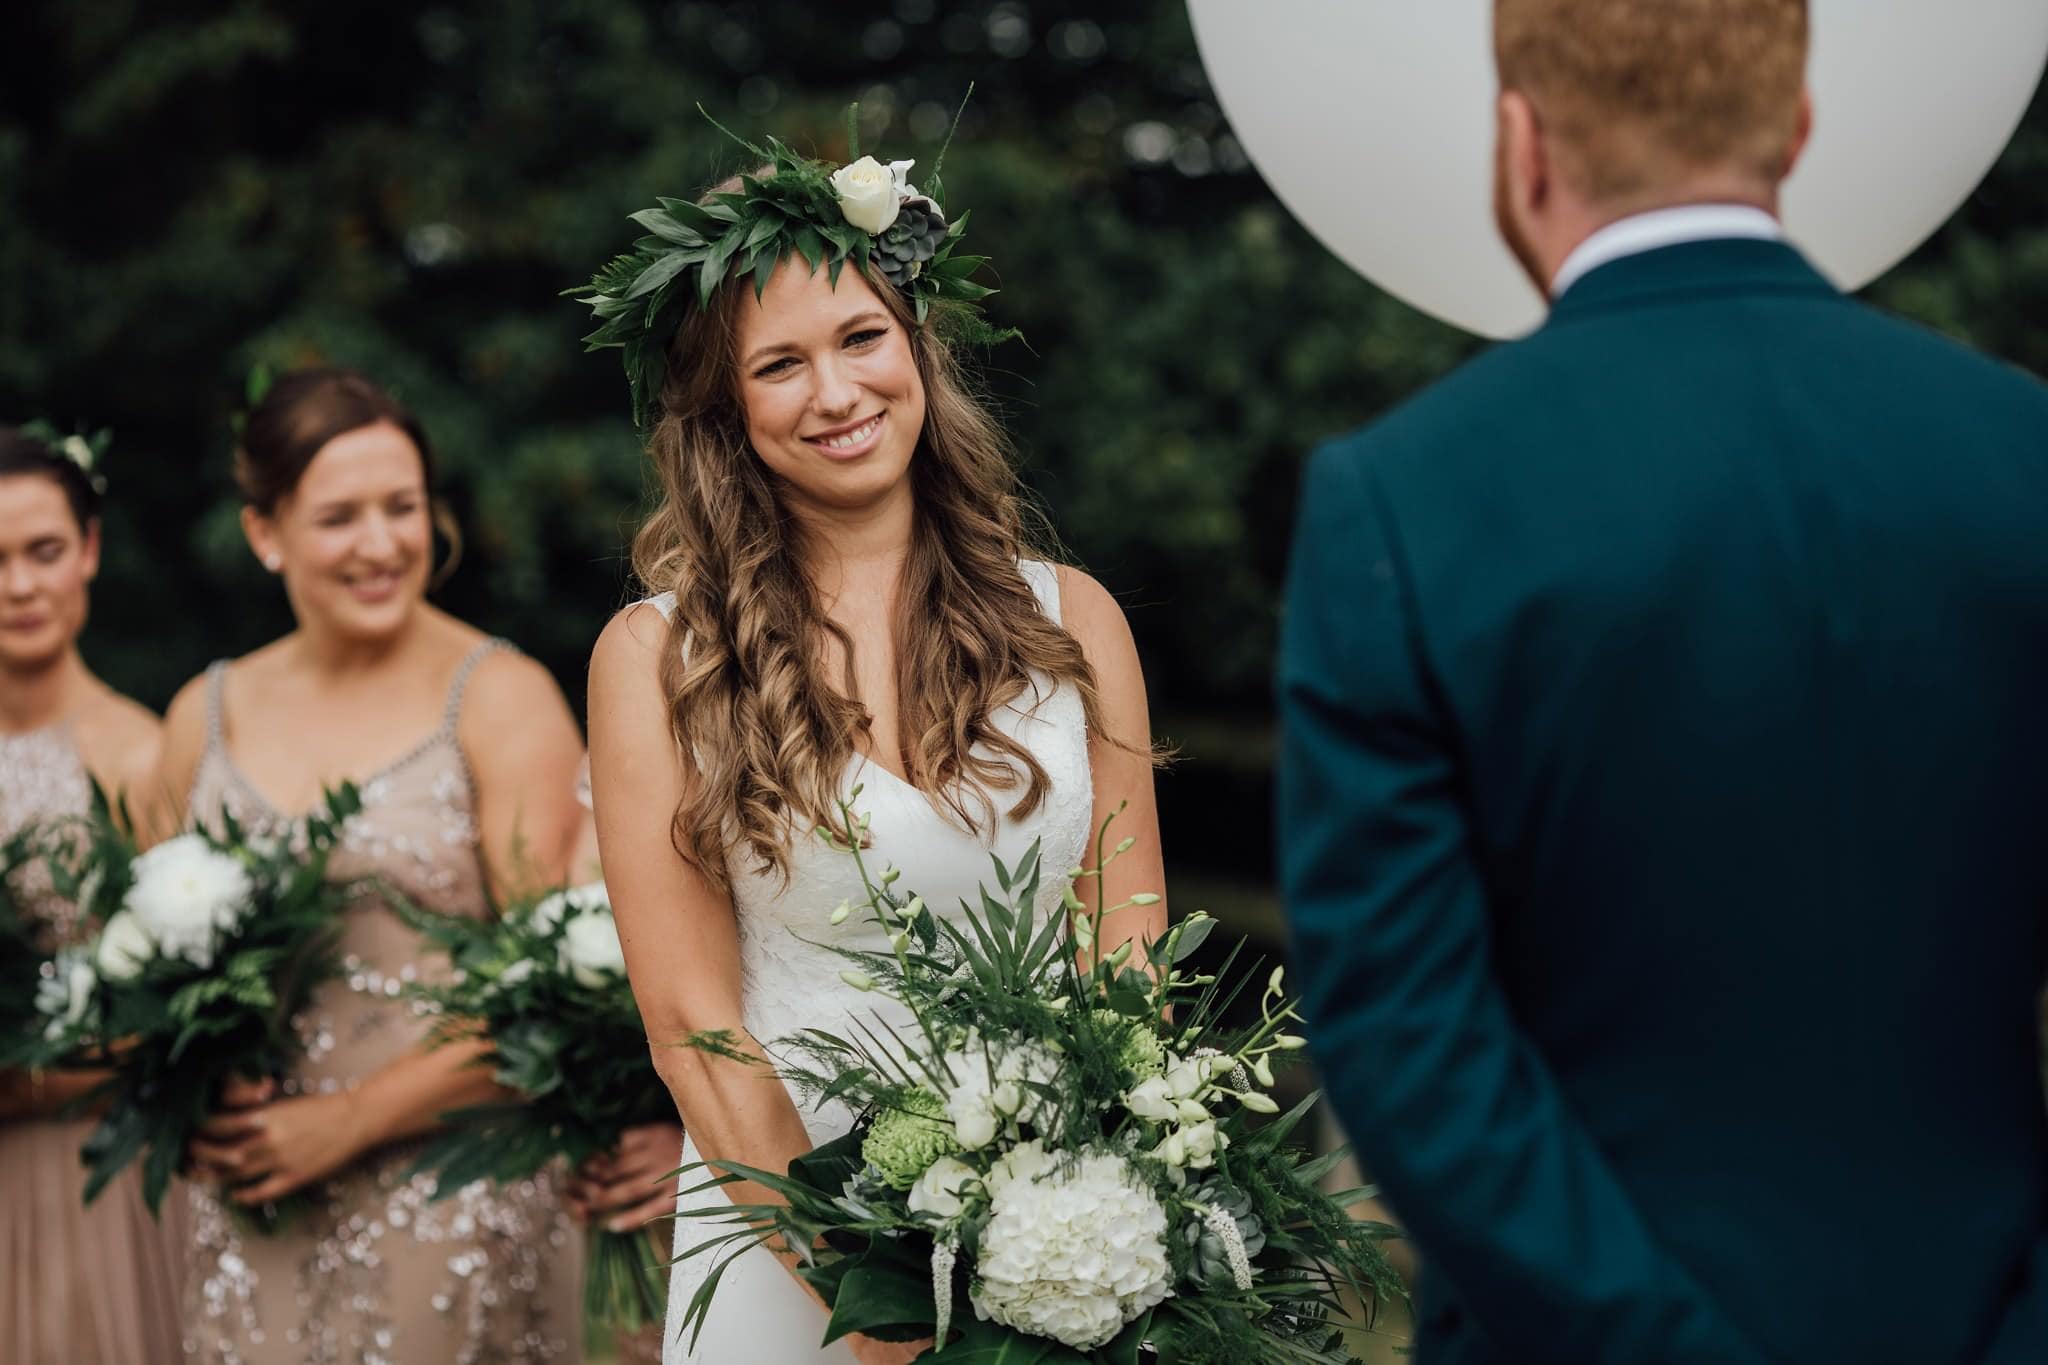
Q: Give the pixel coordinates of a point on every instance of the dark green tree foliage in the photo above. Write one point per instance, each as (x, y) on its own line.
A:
(189, 187)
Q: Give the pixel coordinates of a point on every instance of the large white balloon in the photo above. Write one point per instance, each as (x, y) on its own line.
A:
(1373, 122)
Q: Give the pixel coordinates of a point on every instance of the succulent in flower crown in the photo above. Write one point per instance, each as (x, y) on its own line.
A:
(864, 211)
(88, 452)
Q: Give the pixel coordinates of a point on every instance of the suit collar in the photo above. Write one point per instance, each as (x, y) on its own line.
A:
(1720, 268)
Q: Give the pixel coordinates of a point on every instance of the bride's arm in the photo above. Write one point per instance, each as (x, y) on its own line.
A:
(682, 946)
(1121, 762)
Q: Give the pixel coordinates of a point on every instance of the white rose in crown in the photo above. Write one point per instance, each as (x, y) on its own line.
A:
(124, 947)
(590, 949)
(186, 896)
(871, 194)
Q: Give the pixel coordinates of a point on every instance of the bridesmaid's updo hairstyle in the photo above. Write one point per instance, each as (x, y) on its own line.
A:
(300, 413)
(305, 409)
(22, 453)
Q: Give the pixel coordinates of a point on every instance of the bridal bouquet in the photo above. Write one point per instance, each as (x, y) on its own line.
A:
(206, 949)
(1077, 1148)
(546, 985)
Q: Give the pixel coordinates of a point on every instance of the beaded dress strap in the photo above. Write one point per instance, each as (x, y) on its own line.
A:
(460, 683)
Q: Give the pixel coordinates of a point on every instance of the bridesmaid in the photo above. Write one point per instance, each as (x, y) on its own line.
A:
(466, 756)
(90, 1285)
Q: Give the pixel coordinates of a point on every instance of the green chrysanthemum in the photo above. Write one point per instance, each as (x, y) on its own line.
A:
(904, 1142)
(1141, 1050)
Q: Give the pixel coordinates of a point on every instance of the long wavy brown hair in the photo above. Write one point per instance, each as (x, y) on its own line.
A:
(750, 696)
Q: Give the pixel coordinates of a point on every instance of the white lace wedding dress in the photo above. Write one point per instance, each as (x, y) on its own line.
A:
(760, 1314)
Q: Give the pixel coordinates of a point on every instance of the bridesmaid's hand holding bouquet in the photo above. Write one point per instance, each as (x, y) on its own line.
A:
(545, 983)
(208, 945)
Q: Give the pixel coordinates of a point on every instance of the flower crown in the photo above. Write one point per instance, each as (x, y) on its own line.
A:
(87, 451)
(863, 211)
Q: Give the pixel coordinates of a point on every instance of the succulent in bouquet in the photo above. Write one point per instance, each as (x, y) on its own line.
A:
(208, 945)
(545, 985)
(1063, 1154)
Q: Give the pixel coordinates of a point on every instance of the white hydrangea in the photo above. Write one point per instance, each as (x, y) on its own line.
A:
(186, 896)
(590, 950)
(1073, 1250)
(983, 1100)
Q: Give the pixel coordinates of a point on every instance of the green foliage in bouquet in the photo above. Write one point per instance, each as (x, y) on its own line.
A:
(207, 946)
(545, 984)
(23, 960)
(1076, 1141)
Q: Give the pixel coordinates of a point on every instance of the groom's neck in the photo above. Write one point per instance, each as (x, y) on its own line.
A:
(1576, 223)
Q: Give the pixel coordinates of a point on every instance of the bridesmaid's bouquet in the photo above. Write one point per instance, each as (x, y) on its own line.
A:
(23, 961)
(207, 947)
(545, 983)
(1076, 1147)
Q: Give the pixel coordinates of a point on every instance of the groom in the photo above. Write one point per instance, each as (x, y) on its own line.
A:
(1665, 773)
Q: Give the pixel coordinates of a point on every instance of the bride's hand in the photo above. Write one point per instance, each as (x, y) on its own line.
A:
(868, 1351)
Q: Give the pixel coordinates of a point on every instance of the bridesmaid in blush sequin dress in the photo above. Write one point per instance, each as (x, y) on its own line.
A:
(79, 1284)
(478, 806)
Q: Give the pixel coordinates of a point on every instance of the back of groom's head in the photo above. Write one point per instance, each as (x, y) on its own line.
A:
(1639, 98)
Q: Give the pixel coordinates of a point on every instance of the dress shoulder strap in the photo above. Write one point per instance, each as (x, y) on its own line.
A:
(665, 603)
(1044, 579)
(463, 671)
(217, 705)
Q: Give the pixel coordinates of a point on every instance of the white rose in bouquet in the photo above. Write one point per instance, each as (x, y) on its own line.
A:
(941, 1190)
(984, 1101)
(871, 194)
(124, 947)
(186, 896)
(1073, 1249)
(590, 949)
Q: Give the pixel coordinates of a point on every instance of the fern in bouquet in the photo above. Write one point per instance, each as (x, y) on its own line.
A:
(545, 984)
(1063, 1156)
(207, 946)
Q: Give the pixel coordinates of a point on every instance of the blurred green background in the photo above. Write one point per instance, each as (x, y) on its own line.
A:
(188, 187)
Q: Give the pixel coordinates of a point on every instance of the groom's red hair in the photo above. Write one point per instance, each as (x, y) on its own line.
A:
(1641, 94)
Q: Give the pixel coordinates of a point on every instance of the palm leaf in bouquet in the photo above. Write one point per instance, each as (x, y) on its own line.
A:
(208, 945)
(1077, 1145)
(544, 985)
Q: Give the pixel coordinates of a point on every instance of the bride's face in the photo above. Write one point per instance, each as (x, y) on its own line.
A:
(834, 403)
(47, 561)
(353, 540)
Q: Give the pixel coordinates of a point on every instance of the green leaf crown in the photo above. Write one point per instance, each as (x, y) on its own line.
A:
(795, 209)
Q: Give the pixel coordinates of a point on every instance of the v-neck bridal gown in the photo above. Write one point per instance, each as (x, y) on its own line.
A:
(760, 1312)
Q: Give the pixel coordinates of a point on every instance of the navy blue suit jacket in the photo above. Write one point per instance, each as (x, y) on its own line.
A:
(1664, 827)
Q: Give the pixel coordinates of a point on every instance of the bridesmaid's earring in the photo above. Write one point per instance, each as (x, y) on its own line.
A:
(273, 561)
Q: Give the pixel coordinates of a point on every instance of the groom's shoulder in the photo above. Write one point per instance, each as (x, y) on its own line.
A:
(1472, 406)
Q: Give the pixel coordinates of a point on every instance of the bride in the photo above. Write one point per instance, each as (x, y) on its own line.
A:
(851, 612)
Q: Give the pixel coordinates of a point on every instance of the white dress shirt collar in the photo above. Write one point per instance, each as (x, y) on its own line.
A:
(1661, 228)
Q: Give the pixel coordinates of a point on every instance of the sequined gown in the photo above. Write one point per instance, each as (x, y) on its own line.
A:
(79, 1284)
(380, 1275)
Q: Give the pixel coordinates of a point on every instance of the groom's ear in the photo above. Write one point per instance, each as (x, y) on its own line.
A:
(1524, 158)
(1802, 133)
